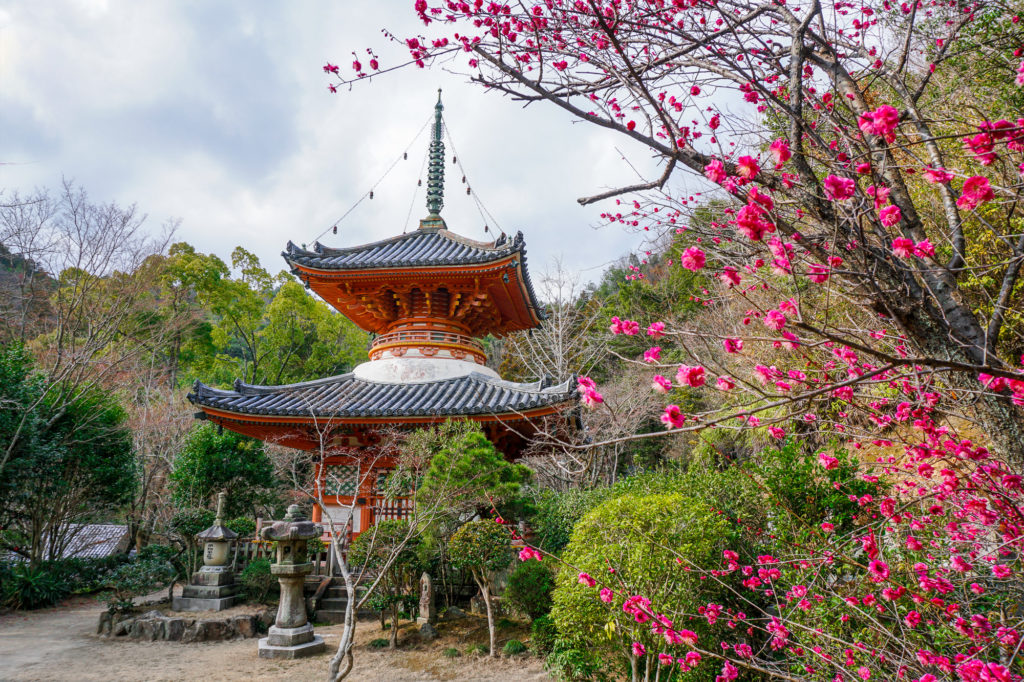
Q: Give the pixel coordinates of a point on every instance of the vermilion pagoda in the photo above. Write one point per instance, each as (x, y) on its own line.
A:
(427, 296)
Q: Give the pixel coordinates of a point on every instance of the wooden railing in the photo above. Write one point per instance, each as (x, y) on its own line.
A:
(414, 336)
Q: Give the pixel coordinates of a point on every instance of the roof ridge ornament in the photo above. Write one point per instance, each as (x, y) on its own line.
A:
(435, 172)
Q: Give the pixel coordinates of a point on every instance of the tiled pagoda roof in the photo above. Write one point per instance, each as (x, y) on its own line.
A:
(419, 248)
(348, 397)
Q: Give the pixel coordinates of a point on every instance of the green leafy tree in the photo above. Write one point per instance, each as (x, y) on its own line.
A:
(466, 470)
(482, 547)
(72, 461)
(188, 282)
(212, 461)
(390, 550)
(305, 339)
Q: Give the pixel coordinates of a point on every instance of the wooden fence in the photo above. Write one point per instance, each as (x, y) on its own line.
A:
(246, 551)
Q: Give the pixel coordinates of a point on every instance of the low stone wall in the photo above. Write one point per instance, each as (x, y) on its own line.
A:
(157, 626)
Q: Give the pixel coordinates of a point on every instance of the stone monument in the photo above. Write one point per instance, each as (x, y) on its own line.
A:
(213, 586)
(428, 614)
(291, 635)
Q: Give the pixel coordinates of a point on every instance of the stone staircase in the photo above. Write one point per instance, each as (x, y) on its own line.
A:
(326, 600)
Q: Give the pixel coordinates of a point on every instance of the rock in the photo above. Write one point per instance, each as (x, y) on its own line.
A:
(190, 633)
(174, 629)
(146, 629)
(454, 613)
(244, 626)
(212, 630)
(266, 617)
(105, 624)
(122, 628)
(428, 632)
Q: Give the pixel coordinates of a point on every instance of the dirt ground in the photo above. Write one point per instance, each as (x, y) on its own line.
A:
(61, 644)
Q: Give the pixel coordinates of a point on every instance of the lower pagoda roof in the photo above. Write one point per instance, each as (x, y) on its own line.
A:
(350, 398)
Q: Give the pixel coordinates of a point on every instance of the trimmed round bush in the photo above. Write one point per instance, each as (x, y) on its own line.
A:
(257, 580)
(640, 536)
(529, 588)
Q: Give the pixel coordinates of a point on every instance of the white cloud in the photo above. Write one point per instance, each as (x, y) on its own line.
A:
(218, 113)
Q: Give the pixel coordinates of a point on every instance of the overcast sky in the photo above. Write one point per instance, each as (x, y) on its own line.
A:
(217, 113)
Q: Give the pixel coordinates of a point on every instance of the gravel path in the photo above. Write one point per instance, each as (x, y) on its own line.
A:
(60, 644)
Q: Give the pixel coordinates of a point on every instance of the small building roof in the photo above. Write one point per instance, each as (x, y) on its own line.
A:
(95, 540)
(348, 397)
(419, 248)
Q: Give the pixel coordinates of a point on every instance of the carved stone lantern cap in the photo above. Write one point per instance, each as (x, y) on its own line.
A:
(293, 527)
(218, 531)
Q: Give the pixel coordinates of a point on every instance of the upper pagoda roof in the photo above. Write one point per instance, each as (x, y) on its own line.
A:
(348, 398)
(422, 248)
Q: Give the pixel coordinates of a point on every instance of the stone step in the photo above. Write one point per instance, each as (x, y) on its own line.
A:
(332, 604)
(334, 617)
(327, 616)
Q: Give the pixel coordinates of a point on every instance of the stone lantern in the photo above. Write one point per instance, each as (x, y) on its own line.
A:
(291, 635)
(213, 586)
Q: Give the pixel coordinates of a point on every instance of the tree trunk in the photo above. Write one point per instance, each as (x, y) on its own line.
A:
(335, 673)
(486, 592)
(393, 644)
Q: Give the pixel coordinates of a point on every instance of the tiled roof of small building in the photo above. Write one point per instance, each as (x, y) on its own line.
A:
(95, 540)
(419, 248)
(346, 396)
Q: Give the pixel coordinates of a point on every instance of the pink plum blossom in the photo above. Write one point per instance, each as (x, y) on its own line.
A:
(881, 122)
(692, 259)
(673, 417)
(890, 215)
(660, 384)
(903, 247)
(692, 376)
(975, 192)
(747, 167)
(839, 189)
(780, 152)
(775, 319)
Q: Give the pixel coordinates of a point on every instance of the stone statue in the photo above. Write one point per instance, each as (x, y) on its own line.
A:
(428, 614)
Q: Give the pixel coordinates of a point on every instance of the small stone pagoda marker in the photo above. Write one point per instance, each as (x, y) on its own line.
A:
(213, 586)
(428, 613)
(291, 635)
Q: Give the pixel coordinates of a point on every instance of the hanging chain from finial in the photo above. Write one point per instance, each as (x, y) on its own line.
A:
(435, 167)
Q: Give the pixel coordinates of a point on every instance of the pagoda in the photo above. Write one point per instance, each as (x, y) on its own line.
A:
(427, 296)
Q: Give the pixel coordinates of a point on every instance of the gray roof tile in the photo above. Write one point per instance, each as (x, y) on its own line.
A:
(420, 248)
(346, 397)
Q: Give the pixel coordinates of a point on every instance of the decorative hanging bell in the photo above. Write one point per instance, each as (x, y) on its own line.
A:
(335, 229)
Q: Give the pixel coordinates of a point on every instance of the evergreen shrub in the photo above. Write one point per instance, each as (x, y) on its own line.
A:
(529, 588)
